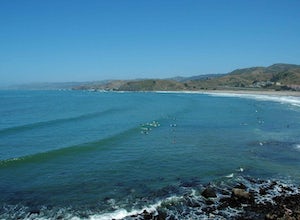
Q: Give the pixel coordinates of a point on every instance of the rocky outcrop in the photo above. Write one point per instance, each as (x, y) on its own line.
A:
(209, 192)
(262, 203)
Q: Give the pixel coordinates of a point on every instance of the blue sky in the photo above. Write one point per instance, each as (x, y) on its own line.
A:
(83, 40)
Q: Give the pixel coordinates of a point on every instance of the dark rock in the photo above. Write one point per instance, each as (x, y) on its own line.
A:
(34, 212)
(161, 215)
(262, 191)
(283, 207)
(147, 215)
(209, 209)
(193, 203)
(228, 202)
(241, 186)
(272, 185)
(286, 188)
(209, 192)
(209, 202)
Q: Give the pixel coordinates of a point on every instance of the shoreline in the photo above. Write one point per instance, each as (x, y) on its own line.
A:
(257, 92)
(238, 92)
(245, 199)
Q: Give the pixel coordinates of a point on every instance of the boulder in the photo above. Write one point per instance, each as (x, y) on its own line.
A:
(241, 193)
(209, 192)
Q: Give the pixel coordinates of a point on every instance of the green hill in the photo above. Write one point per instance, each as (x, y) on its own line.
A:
(277, 76)
(152, 85)
(274, 77)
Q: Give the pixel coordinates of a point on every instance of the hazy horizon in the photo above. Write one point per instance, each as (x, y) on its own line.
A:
(77, 41)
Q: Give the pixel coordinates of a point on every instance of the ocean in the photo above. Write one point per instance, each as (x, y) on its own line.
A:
(111, 155)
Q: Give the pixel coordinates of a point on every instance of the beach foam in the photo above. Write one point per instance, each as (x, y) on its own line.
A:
(293, 100)
(270, 96)
(188, 205)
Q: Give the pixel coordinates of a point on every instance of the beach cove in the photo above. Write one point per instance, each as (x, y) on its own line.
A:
(149, 155)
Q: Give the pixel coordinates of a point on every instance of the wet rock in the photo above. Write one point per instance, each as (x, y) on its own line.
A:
(241, 186)
(262, 191)
(228, 202)
(209, 209)
(34, 212)
(241, 193)
(193, 203)
(224, 202)
(286, 188)
(209, 192)
(272, 185)
(209, 202)
(271, 203)
(147, 215)
(270, 216)
(161, 215)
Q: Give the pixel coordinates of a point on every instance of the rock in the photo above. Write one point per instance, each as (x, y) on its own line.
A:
(34, 212)
(262, 191)
(147, 215)
(209, 202)
(161, 215)
(240, 193)
(209, 192)
(241, 186)
(193, 203)
(270, 216)
(209, 209)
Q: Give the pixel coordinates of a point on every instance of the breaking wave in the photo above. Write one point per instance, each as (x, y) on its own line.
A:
(188, 203)
(293, 100)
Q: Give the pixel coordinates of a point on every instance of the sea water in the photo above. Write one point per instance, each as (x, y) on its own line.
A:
(104, 155)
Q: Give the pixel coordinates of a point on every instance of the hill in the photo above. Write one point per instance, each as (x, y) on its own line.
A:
(275, 77)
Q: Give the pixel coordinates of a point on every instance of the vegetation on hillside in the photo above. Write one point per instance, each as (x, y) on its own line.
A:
(274, 77)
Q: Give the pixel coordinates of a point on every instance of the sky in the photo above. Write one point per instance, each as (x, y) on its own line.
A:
(87, 40)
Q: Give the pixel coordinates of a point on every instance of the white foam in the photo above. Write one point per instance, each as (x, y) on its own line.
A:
(287, 99)
(122, 213)
(293, 100)
(230, 175)
(118, 214)
(297, 147)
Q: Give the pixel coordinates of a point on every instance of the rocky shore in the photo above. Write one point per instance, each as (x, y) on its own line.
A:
(253, 199)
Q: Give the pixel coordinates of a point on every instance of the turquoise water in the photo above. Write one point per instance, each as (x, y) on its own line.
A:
(90, 155)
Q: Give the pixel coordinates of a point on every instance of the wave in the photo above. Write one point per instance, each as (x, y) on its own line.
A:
(194, 204)
(71, 150)
(259, 198)
(84, 147)
(42, 124)
(293, 100)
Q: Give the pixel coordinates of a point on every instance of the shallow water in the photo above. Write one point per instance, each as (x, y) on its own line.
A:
(93, 155)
